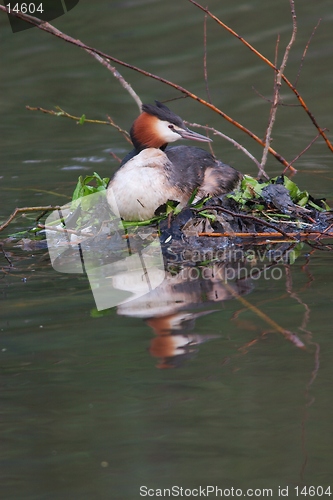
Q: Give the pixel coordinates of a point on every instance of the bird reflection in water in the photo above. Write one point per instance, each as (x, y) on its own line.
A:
(171, 309)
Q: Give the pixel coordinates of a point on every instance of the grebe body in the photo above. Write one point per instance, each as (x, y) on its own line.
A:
(153, 173)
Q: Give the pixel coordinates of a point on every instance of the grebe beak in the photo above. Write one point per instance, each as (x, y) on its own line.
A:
(186, 133)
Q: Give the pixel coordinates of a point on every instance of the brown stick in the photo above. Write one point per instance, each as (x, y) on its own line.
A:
(27, 209)
(292, 337)
(274, 103)
(244, 235)
(64, 114)
(276, 97)
(302, 152)
(249, 217)
(119, 77)
(227, 138)
(304, 53)
(65, 230)
(44, 26)
(271, 65)
(267, 235)
(205, 60)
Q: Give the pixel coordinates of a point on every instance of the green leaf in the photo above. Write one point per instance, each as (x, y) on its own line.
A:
(208, 215)
(313, 205)
(193, 195)
(299, 197)
(89, 185)
(82, 120)
(295, 253)
(250, 189)
(94, 313)
(78, 189)
(303, 199)
(326, 207)
(201, 203)
(125, 224)
(292, 188)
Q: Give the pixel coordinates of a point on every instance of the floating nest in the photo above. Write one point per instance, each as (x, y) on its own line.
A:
(257, 214)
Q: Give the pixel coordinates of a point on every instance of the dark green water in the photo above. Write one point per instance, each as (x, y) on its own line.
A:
(85, 413)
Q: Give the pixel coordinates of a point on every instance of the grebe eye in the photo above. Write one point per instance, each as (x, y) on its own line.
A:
(171, 126)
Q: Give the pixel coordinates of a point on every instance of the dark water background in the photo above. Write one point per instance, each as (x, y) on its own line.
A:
(84, 411)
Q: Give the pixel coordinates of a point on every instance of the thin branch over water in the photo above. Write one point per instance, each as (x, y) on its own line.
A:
(276, 96)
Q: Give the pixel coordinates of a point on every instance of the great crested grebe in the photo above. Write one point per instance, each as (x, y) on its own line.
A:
(151, 174)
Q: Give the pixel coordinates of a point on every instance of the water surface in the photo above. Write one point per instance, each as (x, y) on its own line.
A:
(86, 413)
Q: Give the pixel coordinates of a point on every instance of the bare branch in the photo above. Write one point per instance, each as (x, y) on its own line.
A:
(274, 102)
(292, 337)
(115, 157)
(66, 231)
(48, 208)
(205, 59)
(123, 132)
(304, 53)
(281, 103)
(302, 152)
(227, 138)
(248, 217)
(64, 114)
(277, 88)
(120, 78)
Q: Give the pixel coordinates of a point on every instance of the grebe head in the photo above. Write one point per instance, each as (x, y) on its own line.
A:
(156, 126)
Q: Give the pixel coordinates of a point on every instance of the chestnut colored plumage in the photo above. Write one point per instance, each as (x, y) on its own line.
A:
(152, 173)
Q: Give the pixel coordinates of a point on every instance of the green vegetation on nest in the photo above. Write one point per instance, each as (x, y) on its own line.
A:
(251, 190)
(249, 196)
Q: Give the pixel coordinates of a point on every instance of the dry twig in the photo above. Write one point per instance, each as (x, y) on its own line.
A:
(305, 51)
(248, 217)
(227, 138)
(17, 211)
(302, 235)
(205, 60)
(66, 231)
(292, 337)
(276, 97)
(302, 152)
(116, 74)
(64, 114)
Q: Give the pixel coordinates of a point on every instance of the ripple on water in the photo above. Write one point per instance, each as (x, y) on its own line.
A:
(75, 167)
